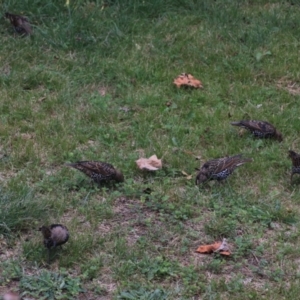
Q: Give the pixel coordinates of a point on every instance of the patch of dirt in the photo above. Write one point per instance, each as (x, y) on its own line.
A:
(90, 144)
(10, 252)
(5, 70)
(129, 217)
(289, 85)
(102, 89)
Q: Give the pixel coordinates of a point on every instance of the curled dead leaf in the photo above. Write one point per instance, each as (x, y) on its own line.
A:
(221, 247)
(187, 176)
(198, 157)
(186, 79)
(151, 164)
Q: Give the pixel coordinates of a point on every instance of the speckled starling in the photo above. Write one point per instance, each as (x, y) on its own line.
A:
(20, 23)
(260, 129)
(295, 157)
(54, 235)
(98, 171)
(220, 168)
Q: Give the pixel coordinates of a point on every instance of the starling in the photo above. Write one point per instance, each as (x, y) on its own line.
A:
(260, 129)
(220, 168)
(98, 171)
(295, 157)
(54, 235)
(20, 23)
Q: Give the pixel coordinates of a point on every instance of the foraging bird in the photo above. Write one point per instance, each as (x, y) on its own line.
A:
(20, 23)
(54, 235)
(220, 168)
(260, 129)
(295, 157)
(98, 171)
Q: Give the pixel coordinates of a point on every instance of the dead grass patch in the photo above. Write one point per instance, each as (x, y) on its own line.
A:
(290, 86)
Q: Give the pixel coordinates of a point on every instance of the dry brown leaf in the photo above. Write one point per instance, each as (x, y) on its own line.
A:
(151, 164)
(221, 247)
(42, 99)
(187, 176)
(188, 152)
(186, 79)
(209, 248)
(224, 248)
(198, 157)
(289, 85)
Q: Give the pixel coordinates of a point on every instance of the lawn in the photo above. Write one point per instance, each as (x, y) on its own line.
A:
(95, 82)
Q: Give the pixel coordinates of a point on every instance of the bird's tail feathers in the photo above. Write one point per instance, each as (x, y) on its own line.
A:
(236, 123)
(243, 161)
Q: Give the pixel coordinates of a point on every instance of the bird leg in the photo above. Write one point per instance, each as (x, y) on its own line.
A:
(48, 256)
(222, 182)
(292, 177)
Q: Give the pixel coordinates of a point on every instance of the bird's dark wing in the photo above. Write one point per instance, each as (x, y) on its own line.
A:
(20, 23)
(26, 26)
(221, 164)
(254, 125)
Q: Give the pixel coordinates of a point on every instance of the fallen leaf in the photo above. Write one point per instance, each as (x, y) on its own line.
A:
(41, 99)
(184, 173)
(209, 248)
(198, 157)
(188, 177)
(186, 79)
(260, 55)
(221, 247)
(224, 248)
(151, 164)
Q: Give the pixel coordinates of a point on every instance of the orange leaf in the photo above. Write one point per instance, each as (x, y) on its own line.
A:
(221, 247)
(209, 248)
(227, 253)
(186, 79)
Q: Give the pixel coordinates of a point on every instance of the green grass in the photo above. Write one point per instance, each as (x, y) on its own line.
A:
(92, 83)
